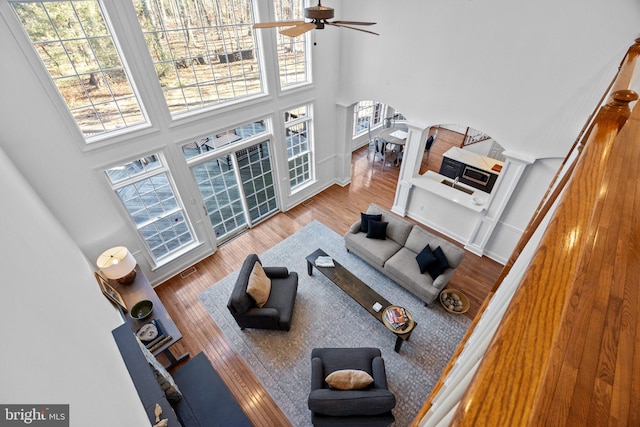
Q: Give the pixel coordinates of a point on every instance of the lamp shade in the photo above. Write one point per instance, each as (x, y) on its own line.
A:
(117, 263)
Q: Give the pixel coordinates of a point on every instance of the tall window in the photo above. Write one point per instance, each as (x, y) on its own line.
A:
(204, 51)
(146, 190)
(366, 113)
(292, 51)
(297, 127)
(79, 52)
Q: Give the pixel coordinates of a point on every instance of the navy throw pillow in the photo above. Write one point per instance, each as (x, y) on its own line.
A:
(364, 221)
(377, 230)
(425, 258)
(437, 268)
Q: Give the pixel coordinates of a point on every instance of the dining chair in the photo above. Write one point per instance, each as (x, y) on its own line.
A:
(387, 152)
(372, 143)
(428, 146)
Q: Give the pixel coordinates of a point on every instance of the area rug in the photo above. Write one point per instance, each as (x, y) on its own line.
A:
(324, 316)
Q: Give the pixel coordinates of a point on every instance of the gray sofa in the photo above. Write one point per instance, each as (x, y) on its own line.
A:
(277, 312)
(395, 254)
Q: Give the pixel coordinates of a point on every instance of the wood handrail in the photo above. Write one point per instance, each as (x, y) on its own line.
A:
(535, 371)
(600, 129)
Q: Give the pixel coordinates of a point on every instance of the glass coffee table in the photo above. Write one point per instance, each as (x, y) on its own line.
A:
(369, 299)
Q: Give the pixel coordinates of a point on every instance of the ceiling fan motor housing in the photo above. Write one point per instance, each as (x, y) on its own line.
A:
(318, 12)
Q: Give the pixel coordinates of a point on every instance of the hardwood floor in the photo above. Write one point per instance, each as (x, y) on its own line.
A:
(337, 207)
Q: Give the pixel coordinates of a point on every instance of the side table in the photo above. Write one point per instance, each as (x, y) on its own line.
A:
(141, 289)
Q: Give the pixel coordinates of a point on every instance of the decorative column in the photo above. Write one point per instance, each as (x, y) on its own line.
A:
(410, 166)
(512, 170)
(344, 132)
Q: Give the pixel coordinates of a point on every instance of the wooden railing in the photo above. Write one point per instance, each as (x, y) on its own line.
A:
(567, 351)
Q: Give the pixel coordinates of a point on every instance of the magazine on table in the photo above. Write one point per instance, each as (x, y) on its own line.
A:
(397, 317)
(324, 261)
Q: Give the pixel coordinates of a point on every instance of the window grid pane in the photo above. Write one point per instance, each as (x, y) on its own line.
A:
(257, 181)
(366, 113)
(219, 189)
(204, 51)
(298, 122)
(77, 49)
(292, 51)
(146, 191)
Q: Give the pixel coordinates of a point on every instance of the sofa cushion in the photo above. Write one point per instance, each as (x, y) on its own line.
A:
(240, 301)
(342, 403)
(398, 229)
(259, 286)
(425, 258)
(283, 297)
(403, 266)
(437, 268)
(376, 253)
(419, 238)
(364, 221)
(377, 230)
(348, 379)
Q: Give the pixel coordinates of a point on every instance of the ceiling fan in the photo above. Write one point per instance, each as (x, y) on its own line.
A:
(318, 15)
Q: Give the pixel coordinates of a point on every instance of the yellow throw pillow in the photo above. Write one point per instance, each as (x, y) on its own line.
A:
(259, 286)
(349, 379)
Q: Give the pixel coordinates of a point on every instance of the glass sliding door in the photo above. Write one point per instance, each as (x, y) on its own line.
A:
(257, 181)
(237, 189)
(223, 205)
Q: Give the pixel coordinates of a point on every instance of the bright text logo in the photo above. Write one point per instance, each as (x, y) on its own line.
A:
(35, 415)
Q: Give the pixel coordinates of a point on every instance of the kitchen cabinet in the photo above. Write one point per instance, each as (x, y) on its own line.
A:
(473, 169)
(451, 168)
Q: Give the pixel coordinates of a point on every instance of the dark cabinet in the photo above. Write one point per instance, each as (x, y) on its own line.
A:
(469, 175)
(451, 168)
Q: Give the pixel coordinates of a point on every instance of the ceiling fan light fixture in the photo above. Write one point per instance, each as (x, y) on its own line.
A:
(319, 16)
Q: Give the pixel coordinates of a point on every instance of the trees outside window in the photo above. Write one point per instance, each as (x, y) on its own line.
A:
(204, 51)
(80, 54)
(292, 51)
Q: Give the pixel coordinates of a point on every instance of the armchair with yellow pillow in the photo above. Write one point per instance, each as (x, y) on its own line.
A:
(263, 297)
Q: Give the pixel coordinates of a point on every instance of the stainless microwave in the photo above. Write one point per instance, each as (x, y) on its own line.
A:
(476, 175)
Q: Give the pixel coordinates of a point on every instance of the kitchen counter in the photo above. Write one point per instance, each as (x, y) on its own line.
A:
(473, 159)
(432, 182)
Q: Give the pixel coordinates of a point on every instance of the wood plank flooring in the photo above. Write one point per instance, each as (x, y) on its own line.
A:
(337, 207)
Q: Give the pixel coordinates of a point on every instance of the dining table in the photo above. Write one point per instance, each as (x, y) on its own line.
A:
(394, 138)
(394, 135)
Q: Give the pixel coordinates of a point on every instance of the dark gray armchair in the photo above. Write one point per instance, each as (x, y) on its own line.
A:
(277, 312)
(368, 407)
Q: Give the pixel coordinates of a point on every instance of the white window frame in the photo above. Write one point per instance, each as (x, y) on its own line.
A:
(308, 121)
(207, 54)
(163, 168)
(372, 110)
(300, 42)
(56, 94)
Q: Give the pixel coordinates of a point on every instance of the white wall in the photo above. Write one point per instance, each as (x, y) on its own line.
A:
(538, 71)
(526, 73)
(57, 346)
(42, 140)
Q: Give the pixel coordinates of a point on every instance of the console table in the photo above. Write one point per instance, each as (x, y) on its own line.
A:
(141, 289)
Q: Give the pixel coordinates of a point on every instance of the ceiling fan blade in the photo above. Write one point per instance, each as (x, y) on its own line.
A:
(298, 29)
(277, 24)
(351, 28)
(353, 23)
